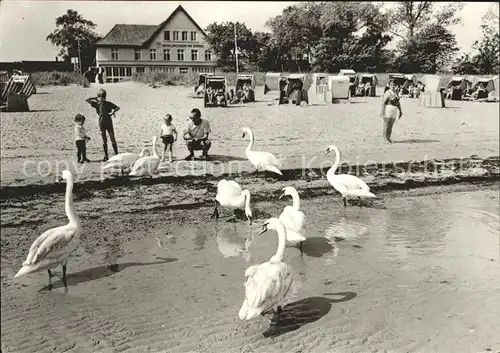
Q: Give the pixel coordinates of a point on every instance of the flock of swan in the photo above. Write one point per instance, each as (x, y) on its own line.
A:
(266, 285)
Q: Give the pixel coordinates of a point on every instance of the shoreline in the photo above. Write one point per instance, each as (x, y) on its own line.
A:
(380, 177)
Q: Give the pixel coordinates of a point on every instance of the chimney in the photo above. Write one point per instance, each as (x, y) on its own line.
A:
(57, 60)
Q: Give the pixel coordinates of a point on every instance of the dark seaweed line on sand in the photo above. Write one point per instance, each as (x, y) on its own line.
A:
(385, 175)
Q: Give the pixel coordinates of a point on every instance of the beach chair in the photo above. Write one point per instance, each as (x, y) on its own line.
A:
(15, 93)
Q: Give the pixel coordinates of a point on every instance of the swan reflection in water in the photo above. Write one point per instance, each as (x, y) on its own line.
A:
(230, 243)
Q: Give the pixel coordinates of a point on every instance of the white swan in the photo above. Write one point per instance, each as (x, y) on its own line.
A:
(347, 185)
(146, 165)
(269, 282)
(231, 195)
(293, 219)
(55, 245)
(123, 161)
(261, 160)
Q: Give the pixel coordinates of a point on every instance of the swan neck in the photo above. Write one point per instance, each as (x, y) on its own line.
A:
(335, 166)
(250, 144)
(69, 206)
(155, 153)
(296, 201)
(246, 195)
(280, 252)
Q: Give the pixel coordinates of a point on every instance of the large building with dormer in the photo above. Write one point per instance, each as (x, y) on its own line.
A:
(177, 45)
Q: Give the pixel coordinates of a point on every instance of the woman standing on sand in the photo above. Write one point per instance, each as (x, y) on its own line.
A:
(391, 109)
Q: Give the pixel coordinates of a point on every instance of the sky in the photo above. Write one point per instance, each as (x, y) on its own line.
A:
(24, 25)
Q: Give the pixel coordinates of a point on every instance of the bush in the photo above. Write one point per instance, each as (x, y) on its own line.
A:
(55, 78)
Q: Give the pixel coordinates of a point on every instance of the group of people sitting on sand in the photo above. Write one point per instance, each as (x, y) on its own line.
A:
(242, 94)
(195, 134)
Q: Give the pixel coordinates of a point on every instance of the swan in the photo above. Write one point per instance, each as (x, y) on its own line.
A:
(55, 245)
(267, 283)
(292, 218)
(261, 160)
(146, 165)
(347, 185)
(123, 161)
(230, 194)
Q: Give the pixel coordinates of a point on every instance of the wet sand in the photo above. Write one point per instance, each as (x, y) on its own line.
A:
(417, 271)
(41, 141)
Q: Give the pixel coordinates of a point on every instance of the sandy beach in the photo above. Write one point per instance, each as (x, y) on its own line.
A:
(416, 270)
(35, 146)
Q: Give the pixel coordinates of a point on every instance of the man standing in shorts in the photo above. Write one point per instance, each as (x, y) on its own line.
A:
(196, 135)
(105, 109)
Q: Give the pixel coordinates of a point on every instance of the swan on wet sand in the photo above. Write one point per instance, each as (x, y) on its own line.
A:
(261, 160)
(231, 195)
(347, 185)
(124, 161)
(268, 283)
(146, 165)
(55, 245)
(293, 219)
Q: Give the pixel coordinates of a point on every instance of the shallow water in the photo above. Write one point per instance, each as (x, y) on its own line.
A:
(420, 275)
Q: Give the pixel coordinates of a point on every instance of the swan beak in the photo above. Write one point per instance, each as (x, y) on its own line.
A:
(59, 178)
(243, 136)
(326, 153)
(264, 229)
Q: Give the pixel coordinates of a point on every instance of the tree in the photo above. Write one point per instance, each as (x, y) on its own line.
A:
(430, 51)
(221, 38)
(408, 17)
(72, 29)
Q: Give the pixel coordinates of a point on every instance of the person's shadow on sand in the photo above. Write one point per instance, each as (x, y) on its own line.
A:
(94, 273)
(305, 311)
(416, 141)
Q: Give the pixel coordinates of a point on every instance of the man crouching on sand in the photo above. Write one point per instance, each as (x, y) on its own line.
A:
(196, 135)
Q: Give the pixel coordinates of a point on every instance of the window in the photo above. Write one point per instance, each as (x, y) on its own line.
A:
(183, 70)
(184, 35)
(152, 54)
(166, 54)
(193, 36)
(118, 73)
(114, 54)
(139, 69)
(208, 55)
(180, 54)
(137, 54)
(194, 55)
(166, 36)
(176, 35)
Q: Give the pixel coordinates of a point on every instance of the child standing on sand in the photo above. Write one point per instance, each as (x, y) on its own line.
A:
(81, 139)
(167, 135)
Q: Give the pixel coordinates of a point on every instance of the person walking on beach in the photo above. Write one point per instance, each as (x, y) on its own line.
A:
(196, 135)
(169, 136)
(391, 109)
(81, 139)
(105, 109)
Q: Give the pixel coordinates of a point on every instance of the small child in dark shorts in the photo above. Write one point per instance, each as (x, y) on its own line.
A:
(81, 138)
(168, 135)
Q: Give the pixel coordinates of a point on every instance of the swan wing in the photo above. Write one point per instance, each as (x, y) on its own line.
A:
(126, 157)
(292, 219)
(230, 188)
(145, 165)
(268, 284)
(52, 243)
(352, 182)
(263, 158)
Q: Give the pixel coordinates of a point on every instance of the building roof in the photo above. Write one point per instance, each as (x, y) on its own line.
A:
(139, 35)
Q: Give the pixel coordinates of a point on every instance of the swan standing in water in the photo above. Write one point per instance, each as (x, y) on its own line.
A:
(123, 161)
(347, 185)
(293, 219)
(231, 195)
(261, 160)
(55, 245)
(267, 283)
(146, 165)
